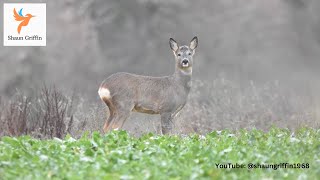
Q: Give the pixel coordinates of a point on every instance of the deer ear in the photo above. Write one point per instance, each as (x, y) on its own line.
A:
(173, 44)
(194, 43)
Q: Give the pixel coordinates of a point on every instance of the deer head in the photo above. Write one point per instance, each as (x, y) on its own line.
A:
(184, 54)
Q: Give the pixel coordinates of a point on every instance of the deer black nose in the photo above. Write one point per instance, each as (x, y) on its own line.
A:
(185, 61)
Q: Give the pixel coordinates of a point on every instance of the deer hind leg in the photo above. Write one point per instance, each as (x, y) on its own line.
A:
(119, 120)
(123, 110)
(116, 120)
(108, 122)
(112, 114)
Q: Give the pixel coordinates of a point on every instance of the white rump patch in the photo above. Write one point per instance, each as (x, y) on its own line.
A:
(104, 93)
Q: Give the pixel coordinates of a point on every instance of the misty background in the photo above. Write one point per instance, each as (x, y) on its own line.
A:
(245, 43)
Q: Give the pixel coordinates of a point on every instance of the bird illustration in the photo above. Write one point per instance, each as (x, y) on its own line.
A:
(19, 17)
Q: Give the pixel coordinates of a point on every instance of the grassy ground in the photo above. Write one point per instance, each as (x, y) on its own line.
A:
(119, 156)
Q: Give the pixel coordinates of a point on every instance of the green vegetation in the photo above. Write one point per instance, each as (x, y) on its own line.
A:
(119, 156)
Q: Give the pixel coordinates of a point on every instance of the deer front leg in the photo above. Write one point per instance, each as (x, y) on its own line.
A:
(166, 123)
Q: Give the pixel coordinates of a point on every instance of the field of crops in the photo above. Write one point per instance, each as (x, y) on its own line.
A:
(117, 155)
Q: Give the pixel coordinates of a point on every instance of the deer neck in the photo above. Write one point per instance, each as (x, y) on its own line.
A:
(183, 77)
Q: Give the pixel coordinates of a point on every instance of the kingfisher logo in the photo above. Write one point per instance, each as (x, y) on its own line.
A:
(27, 29)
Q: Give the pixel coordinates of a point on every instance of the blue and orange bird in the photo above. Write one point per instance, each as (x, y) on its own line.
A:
(19, 17)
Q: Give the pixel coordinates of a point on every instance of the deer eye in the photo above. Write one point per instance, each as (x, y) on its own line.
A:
(179, 54)
(189, 53)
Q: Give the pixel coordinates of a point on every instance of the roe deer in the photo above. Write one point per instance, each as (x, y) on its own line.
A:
(125, 92)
